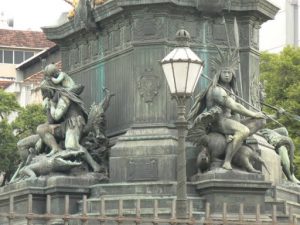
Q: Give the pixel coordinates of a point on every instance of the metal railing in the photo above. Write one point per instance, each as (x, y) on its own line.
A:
(136, 215)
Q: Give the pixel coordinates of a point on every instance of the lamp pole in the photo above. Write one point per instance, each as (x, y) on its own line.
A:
(181, 194)
(182, 69)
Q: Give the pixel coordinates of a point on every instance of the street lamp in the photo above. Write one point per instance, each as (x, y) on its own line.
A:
(182, 69)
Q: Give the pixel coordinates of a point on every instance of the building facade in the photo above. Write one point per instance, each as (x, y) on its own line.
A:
(284, 28)
(21, 53)
(30, 75)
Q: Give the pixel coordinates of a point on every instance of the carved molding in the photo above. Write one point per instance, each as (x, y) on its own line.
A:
(111, 8)
(142, 169)
(254, 83)
(84, 17)
(148, 27)
(244, 35)
(255, 35)
(222, 30)
(149, 85)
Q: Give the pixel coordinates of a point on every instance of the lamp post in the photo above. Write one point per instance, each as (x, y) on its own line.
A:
(182, 69)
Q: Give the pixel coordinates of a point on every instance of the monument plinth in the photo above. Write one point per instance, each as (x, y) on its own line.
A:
(118, 45)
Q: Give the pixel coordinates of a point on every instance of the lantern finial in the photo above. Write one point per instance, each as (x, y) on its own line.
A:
(183, 38)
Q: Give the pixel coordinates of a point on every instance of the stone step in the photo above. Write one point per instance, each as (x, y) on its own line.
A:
(295, 207)
(287, 194)
(285, 219)
(166, 188)
(147, 204)
(235, 217)
(163, 218)
(282, 207)
(130, 202)
(157, 188)
(163, 213)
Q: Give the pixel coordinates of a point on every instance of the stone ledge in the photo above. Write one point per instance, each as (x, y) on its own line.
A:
(264, 8)
(230, 181)
(54, 184)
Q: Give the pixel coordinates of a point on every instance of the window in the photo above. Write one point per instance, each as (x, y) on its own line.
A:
(8, 56)
(28, 55)
(14, 57)
(18, 57)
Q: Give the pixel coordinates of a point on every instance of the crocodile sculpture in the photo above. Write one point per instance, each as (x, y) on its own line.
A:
(59, 162)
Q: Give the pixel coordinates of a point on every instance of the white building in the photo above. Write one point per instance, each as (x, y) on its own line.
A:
(283, 30)
(18, 48)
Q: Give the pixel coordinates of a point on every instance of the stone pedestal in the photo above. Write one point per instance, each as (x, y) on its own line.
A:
(272, 161)
(122, 50)
(119, 48)
(144, 154)
(57, 187)
(164, 193)
(233, 188)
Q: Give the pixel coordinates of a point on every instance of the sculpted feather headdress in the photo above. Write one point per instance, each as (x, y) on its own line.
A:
(228, 60)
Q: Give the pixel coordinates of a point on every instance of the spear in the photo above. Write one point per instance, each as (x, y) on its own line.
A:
(226, 31)
(237, 45)
(293, 116)
(242, 100)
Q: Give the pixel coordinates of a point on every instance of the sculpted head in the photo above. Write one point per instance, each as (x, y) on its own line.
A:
(225, 64)
(226, 75)
(51, 70)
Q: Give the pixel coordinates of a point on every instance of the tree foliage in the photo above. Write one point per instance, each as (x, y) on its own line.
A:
(24, 125)
(28, 120)
(8, 104)
(8, 149)
(8, 141)
(281, 76)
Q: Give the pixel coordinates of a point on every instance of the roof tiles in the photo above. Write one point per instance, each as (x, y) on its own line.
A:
(22, 38)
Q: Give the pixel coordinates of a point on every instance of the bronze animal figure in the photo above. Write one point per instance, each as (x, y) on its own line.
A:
(213, 145)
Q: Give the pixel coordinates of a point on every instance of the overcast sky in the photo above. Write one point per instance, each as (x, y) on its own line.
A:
(33, 14)
(273, 32)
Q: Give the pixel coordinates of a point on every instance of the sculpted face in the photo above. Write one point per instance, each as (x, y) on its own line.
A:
(51, 70)
(226, 76)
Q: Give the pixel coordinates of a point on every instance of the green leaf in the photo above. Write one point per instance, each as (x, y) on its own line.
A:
(28, 119)
(282, 75)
